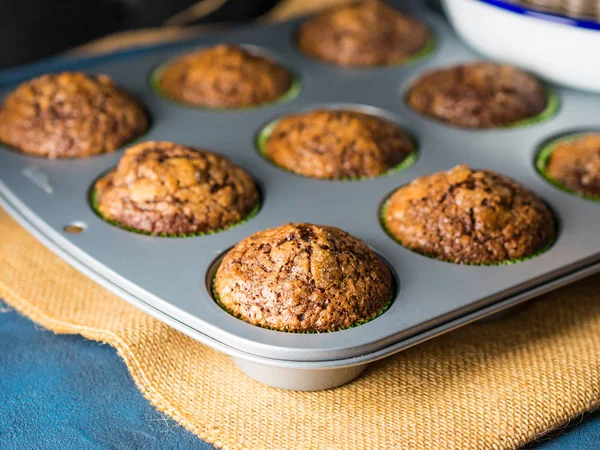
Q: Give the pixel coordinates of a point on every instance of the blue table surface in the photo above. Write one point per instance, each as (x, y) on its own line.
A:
(64, 392)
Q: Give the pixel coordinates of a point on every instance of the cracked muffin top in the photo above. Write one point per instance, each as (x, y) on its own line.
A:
(369, 33)
(303, 278)
(576, 164)
(469, 216)
(70, 115)
(332, 144)
(224, 76)
(478, 95)
(166, 188)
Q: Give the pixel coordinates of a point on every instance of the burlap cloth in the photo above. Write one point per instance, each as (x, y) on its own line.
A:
(490, 386)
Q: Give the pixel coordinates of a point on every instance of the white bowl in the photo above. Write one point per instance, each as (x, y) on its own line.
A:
(560, 49)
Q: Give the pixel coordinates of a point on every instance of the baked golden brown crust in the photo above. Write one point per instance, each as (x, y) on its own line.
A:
(469, 216)
(368, 33)
(302, 278)
(478, 95)
(576, 164)
(336, 145)
(70, 115)
(224, 76)
(166, 188)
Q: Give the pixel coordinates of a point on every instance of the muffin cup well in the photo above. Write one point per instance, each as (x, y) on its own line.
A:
(71, 115)
(382, 214)
(290, 94)
(93, 198)
(212, 274)
(267, 130)
(543, 156)
(551, 109)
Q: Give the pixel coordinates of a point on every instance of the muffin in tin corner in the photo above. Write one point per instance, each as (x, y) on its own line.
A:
(163, 188)
(469, 216)
(224, 76)
(574, 163)
(368, 33)
(337, 144)
(70, 115)
(303, 278)
(479, 95)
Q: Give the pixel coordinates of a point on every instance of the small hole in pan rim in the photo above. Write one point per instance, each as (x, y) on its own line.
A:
(292, 92)
(383, 205)
(75, 227)
(212, 273)
(552, 108)
(544, 152)
(267, 129)
(93, 202)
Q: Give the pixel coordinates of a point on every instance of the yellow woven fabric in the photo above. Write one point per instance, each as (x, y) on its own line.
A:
(490, 386)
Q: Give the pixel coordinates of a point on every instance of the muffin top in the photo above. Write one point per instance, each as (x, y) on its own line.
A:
(478, 95)
(469, 216)
(224, 76)
(335, 145)
(70, 115)
(302, 278)
(166, 188)
(365, 34)
(576, 164)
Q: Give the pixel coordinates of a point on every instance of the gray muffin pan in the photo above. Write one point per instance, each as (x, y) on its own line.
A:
(169, 277)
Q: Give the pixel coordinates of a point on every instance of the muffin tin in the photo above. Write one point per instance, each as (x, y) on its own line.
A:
(169, 278)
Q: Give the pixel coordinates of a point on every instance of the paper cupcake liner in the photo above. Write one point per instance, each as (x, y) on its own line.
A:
(408, 161)
(421, 54)
(543, 157)
(290, 94)
(382, 310)
(94, 204)
(507, 262)
(552, 107)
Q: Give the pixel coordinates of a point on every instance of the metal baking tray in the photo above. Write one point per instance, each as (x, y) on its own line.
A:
(168, 277)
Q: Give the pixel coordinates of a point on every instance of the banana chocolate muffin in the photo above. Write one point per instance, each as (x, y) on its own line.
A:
(166, 188)
(478, 95)
(70, 115)
(575, 163)
(302, 277)
(369, 33)
(224, 76)
(469, 216)
(332, 144)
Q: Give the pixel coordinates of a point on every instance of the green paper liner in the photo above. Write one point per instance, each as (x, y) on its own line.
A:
(410, 159)
(94, 204)
(499, 263)
(290, 94)
(543, 157)
(552, 107)
(383, 309)
(421, 54)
